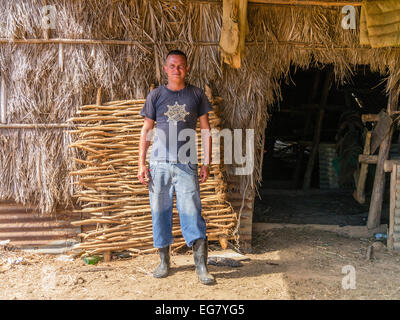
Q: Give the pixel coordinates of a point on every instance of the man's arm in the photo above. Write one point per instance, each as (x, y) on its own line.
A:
(143, 172)
(207, 145)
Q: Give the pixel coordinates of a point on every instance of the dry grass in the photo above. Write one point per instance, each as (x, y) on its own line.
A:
(35, 163)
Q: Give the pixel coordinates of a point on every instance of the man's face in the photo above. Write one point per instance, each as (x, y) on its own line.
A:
(176, 68)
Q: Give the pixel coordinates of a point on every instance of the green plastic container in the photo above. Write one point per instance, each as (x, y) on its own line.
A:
(93, 259)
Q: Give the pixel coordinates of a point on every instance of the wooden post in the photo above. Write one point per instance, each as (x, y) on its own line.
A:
(313, 93)
(375, 208)
(393, 237)
(359, 194)
(3, 101)
(107, 256)
(154, 34)
(98, 97)
(393, 181)
(317, 132)
(46, 31)
(61, 56)
(223, 241)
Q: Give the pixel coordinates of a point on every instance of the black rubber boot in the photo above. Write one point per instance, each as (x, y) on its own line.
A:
(200, 252)
(163, 268)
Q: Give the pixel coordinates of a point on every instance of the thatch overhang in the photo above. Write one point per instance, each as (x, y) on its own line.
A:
(120, 46)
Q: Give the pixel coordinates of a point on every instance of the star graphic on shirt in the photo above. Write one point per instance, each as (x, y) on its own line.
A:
(177, 112)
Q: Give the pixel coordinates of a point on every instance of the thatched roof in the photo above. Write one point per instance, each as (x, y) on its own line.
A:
(47, 81)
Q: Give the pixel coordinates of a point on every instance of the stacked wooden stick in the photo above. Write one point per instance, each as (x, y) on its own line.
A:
(112, 198)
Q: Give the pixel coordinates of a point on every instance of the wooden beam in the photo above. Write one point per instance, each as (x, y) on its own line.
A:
(35, 125)
(389, 164)
(381, 130)
(369, 118)
(3, 101)
(155, 49)
(308, 3)
(368, 159)
(393, 181)
(360, 192)
(375, 209)
(77, 41)
(300, 156)
(317, 132)
(298, 44)
(285, 2)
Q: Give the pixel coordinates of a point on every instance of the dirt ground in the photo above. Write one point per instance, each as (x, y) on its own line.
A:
(316, 206)
(288, 263)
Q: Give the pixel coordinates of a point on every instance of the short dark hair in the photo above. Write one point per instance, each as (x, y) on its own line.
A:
(176, 53)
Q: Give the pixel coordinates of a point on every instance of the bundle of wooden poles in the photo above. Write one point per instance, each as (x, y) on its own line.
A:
(111, 198)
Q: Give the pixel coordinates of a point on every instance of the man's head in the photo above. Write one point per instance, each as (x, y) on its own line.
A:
(176, 66)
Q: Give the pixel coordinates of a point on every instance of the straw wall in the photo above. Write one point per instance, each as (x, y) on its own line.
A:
(47, 82)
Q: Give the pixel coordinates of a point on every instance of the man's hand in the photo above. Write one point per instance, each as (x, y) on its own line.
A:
(204, 173)
(143, 172)
(143, 175)
(207, 144)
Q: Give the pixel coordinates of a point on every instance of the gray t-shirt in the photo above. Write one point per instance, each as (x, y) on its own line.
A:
(176, 114)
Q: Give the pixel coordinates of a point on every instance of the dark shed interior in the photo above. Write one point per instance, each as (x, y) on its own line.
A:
(285, 196)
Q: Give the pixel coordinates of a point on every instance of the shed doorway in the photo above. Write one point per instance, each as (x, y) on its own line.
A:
(292, 192)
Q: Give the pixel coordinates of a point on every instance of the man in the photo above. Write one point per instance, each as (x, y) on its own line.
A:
(173, 163)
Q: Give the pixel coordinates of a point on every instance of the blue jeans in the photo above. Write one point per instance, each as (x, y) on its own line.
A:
(165, 178)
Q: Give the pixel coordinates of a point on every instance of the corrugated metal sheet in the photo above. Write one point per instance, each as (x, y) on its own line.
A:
(26, 230)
